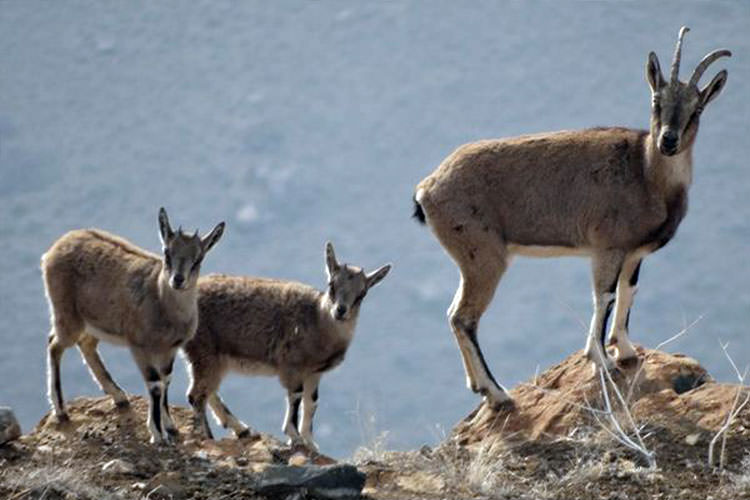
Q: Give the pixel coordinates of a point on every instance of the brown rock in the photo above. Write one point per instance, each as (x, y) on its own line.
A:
(660, 386)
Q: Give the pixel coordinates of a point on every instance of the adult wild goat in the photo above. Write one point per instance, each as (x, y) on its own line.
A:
(102, 287)
(612, 194)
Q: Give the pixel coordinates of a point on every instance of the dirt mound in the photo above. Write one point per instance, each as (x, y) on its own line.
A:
(671, 390)
(550, 446)
(104, 452)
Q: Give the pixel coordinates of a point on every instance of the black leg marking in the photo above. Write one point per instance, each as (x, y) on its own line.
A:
(627, 321)
(636, 274)
(209, 434)
(471, 332)
(167, 369)
(152, 375)
(58, 387)
(605, 320)
(315, 395)
(155, 393)
(294, 417)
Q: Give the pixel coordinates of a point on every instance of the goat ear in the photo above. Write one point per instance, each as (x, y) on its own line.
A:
(213, 237)
(713, 89)
(653, 73)
(332, 264)
(165, 230)
(377, 275)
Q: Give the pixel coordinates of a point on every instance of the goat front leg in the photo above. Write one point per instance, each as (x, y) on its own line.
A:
(291, 417)
(626, 288)
(309, 405)
(166, 417)
(155, 386)
(606, 267)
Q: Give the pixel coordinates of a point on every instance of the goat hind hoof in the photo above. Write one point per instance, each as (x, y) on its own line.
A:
(61, 418)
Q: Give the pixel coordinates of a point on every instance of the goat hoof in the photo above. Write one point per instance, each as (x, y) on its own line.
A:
(172, 432)
(122, 404)
(61, 418)
(629, 362)
(243, 434)
(507, 405)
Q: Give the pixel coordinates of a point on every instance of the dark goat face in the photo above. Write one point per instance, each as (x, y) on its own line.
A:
(183, 253)
(348, 285)
(676, 106)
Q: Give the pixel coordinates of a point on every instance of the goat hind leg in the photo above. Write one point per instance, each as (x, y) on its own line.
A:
(203, 382)
(481, 270)
(87, 345)
(226, 418)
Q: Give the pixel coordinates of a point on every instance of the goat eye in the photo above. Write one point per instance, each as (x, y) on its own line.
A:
(331, 288)
(167, 258)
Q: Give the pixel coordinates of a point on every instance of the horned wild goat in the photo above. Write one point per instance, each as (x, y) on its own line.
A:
(261, 326)
(102, 287)
(612, 194)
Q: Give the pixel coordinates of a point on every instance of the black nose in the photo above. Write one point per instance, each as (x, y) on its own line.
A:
(178, 280)
(669, 140)
(340, 311)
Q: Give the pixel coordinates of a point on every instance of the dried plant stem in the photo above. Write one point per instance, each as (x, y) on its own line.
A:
(733, 412)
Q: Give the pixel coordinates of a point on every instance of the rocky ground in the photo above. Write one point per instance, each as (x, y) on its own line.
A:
(559, 441)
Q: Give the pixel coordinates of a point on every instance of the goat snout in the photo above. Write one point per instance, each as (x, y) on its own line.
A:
(669, 141)
(339, 312)
(178, 280)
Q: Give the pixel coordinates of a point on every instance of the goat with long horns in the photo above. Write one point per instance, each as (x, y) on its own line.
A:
(612, 194)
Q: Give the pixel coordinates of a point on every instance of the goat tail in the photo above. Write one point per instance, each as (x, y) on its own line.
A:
(418, 212)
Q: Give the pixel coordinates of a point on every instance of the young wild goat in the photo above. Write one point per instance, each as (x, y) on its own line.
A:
(101, 287)
(612, 194)
(270, 327)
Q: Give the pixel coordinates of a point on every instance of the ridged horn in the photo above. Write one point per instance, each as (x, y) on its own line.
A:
(677, 55)
(706, 62)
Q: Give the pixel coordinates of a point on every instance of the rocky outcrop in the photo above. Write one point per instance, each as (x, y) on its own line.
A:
(548, 446)
(9, 428)
(661, 389)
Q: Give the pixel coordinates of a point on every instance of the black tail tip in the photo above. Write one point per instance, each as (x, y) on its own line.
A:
(418, 212)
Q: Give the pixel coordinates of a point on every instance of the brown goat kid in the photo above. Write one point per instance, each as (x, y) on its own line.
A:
(278, 328)
(101, 287)
(612, 194)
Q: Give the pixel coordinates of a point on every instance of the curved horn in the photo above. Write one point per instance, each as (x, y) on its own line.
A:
(705, 62)
(677, 54)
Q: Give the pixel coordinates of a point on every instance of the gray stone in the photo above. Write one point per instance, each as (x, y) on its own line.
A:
(9, 428)
(118, 466)
(312, 481)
